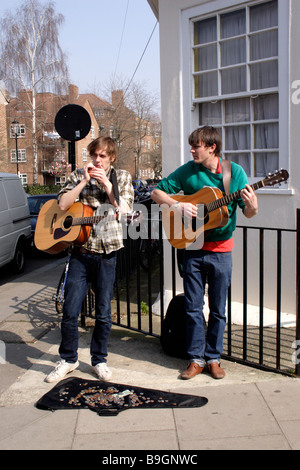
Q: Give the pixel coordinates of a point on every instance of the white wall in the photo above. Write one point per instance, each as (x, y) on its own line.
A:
(276, 208)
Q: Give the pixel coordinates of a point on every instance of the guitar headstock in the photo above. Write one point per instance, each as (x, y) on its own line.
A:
(276, 178)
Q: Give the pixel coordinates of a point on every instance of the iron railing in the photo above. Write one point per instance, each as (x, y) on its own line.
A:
(264, 347)
(138, 287)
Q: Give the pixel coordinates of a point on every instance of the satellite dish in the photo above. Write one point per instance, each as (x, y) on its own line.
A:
(72, 122)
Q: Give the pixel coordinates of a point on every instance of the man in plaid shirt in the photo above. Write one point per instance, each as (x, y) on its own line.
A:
(94, 185)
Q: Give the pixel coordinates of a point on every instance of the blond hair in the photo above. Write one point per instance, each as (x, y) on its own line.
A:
(106, 143)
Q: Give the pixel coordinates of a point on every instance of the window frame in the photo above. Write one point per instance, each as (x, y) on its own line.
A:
(190, 114)
(21, 134)
(60, 180)
(22, 156)
(23, 178)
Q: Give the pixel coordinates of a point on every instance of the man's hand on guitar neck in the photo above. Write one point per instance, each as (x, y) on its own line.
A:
(250, 199)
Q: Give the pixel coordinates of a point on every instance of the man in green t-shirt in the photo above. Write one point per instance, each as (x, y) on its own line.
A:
(213, 262)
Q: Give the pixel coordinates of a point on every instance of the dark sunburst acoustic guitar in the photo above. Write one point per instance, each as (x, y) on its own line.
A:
(212, 212)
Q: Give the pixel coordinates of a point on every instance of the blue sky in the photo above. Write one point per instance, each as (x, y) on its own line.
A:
(91, 38)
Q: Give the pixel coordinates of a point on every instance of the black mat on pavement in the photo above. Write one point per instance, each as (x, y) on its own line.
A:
(108, 399)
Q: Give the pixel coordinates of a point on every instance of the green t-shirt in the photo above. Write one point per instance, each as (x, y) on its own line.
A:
(192, 177)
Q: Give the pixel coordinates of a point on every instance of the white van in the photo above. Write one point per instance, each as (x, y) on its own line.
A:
(15, 228)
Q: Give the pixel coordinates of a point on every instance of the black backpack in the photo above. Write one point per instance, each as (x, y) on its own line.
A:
(173, 329)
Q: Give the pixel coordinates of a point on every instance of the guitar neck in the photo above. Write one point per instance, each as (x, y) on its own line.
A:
(95, 219)
(224, 201)
(130, 217)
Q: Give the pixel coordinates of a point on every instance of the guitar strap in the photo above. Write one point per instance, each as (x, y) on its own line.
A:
(226, 167)
(113, 180)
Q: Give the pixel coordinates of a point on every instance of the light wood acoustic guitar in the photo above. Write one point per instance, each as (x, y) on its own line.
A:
(56, 230)
(212, 212)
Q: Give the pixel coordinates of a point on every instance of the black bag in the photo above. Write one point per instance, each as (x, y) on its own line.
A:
(173, 329)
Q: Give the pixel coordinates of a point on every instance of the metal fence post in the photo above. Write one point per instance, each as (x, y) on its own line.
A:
(297, 369)
(245, 299)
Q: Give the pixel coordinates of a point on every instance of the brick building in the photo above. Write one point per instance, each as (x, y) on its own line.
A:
(137, 143)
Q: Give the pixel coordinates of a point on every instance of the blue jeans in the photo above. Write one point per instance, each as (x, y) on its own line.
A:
(198, 267)
(84, 268)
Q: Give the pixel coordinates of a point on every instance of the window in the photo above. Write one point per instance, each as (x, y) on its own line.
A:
(21, 156)
(21, 133)
(84, 155)
(60, 180)
(249, 128)
(236, 83)
(99, 113)
(146, 159)
(23, 178)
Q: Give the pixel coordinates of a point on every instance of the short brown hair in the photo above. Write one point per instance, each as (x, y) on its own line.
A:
(208, 136)
(106, 143)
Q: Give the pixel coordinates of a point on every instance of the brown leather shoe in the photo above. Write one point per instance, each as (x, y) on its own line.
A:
(192, 370)
(216, 371)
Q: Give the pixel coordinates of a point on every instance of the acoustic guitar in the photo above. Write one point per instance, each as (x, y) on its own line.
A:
(212, 212)
(56, 230)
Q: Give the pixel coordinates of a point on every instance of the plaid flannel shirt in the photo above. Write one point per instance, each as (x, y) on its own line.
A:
(107, 235)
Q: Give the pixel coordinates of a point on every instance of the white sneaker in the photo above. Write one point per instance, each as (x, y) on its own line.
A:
(62, 368)
(102, 371)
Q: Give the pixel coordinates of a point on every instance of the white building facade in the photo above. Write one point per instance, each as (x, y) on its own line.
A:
(234, 64)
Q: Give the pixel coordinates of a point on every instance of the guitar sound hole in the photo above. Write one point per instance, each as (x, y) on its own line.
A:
(201, 219)
(68, 222)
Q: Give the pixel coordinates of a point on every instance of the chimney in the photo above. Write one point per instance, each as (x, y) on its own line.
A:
(117, 98)
(73, 93)
(25, 95)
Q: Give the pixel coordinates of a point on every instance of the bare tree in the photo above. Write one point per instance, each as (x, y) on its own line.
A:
(144, 105)
(156, 153)
(120, 119)
(133, 120)
(31, 58)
